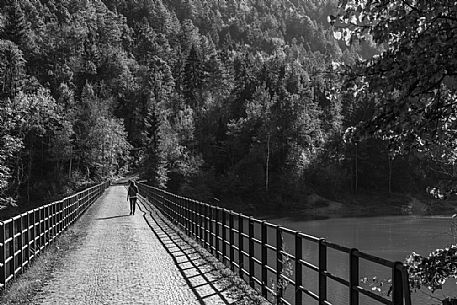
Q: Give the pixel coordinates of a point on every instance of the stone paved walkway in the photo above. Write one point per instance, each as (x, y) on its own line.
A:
(139, 259)
(120, 261)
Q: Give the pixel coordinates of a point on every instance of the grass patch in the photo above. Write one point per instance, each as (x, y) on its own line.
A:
(24, 287)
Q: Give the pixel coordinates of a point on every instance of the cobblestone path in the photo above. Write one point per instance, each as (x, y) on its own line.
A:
(135, 259)
(120, 261)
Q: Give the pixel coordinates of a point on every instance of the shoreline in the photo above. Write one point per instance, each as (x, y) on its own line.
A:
(320, 208)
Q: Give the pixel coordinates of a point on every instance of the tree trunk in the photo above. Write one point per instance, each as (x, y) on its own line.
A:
(356, 184)
(29, 175)
(390, 160)
(111, 148)
(69, 168)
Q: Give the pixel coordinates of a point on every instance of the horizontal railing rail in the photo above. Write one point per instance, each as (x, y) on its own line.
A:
(259, 256)
(24, 236)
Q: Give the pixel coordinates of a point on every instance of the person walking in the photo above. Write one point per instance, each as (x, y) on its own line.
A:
(132, 196)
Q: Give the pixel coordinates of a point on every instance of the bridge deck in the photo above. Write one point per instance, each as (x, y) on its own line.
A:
(121, 260)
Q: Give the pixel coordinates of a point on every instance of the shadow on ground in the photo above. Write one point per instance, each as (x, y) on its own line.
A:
(208, 282)
(112, 217)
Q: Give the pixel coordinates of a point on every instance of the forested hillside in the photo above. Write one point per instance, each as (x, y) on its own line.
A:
(236, 99)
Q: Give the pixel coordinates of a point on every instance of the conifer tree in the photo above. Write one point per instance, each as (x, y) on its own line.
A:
(16, 24)
(193, 79)
(16, 28)
(12, 66)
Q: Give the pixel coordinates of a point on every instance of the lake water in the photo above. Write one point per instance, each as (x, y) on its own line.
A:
(392, 238)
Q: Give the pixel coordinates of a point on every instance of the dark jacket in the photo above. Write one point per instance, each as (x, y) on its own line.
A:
(133, 191)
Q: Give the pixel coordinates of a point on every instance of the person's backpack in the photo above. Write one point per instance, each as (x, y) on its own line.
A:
(133, 191)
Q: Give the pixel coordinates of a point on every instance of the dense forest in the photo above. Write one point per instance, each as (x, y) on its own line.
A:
(243, 100)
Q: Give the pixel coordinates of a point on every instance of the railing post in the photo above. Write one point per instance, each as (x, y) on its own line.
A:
(194, 219)
(216, 219)
(187, 213)
(298, 269)
(65, 213)
(70, 210)
(77, 201)
(353, 277)
(20, 243)
(12, 249)
(203, 224)
(38, 229)
(152, 197)
(206, 215)
(176, 210)
(224, 235)
(46, 225)
(210, 224)
(406, 290)
(51, 207)
(53, 220)
(187, 216)
(195, 211)
(2, 254)
(322, 270)
(73, 209)
(279, 265)
(165, 207)
(264, 241)
(60, 218)
(251, 253)
(50, 217)
(181, 213)
(397, 283)
(231, 240)
(43, 227)
(78, 204)
(62, 215)
(190, 214)
(159, 204)
(169, 207)
(240, 245)
(171, 204)
(61, 225)
(27, 238)
(33, 235)
(200, 221)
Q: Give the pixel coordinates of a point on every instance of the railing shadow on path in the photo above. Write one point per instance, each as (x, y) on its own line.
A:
(208, 284)
(112, 217)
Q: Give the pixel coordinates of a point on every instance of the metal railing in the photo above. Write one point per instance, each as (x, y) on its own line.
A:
(255, 250)
(24, 236)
